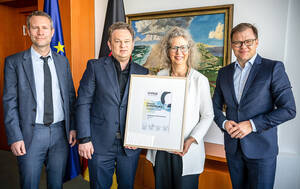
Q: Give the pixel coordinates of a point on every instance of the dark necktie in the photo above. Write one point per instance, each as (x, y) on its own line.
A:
(48, 102)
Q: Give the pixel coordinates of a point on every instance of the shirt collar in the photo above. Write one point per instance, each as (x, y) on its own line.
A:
(251, 61)
(118, 65)
(36, 56)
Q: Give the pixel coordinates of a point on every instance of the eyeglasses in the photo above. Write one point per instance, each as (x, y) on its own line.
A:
(248, 43)
(183, 48)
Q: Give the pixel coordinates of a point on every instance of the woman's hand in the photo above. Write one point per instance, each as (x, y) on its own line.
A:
(186, 146)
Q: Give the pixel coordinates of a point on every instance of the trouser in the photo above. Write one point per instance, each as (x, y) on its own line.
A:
(101, 168)
(49, 146)
(251, 173)
(168, 173)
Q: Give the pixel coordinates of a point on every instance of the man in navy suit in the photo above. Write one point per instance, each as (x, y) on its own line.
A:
(38, 100)
(257, 97)
(101, 112)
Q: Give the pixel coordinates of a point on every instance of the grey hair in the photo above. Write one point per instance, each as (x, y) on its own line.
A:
(38, 13)
(165, 44)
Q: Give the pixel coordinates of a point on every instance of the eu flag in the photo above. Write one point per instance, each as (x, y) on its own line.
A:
(57, 45)
(57, 42)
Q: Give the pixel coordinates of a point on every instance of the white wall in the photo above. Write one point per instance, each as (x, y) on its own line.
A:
(278, 22)
(288, 172)
(100, 11)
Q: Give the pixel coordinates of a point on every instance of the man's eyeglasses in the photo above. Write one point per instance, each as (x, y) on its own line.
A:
(183, 48)
(248, 43)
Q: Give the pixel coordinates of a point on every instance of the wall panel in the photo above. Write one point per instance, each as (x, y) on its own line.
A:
(12, 41)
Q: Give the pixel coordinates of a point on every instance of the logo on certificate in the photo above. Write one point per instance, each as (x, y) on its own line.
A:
(157, 111)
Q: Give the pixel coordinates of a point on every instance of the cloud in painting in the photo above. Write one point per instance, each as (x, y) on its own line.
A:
(218, 33)
(156, 28)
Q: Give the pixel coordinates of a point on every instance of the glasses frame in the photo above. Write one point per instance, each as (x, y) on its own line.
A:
(239, 44)
(182, 48)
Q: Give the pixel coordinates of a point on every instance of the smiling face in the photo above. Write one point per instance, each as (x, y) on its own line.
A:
(177, 52)
(121, 45)
(244, 53)
(40, 32)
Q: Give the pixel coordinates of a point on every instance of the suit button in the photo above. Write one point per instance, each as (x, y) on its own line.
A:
(32, 125)
(117, 123)
(34, 110)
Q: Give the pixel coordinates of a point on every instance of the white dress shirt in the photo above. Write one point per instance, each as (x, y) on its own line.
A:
(38, 72)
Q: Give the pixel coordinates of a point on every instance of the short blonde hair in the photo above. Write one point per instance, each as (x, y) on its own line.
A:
(38, 13)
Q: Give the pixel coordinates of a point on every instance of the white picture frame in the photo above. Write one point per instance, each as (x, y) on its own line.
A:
(155, 112)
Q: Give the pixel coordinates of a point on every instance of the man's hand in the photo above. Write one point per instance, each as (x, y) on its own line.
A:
(130, 147)
(243, 129)
(18, 148)
(86, 150)
(230, 126)
(238, 130)
(72, 139)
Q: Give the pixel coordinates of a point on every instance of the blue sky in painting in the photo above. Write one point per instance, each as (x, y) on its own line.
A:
(202, 25)
(137, 34)
(151, 31)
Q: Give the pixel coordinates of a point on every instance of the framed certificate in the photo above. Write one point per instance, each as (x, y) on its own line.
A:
(155, 112)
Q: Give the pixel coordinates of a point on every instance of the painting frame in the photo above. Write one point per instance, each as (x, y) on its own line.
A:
(156, 112)
(224, 55)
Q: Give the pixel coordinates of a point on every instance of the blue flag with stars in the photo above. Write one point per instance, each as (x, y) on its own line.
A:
(57, 45)
(57, 42)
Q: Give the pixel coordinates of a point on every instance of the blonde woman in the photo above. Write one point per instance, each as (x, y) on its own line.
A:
(181, 170)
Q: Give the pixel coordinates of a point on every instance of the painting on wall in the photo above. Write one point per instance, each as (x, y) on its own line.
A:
(209, 27)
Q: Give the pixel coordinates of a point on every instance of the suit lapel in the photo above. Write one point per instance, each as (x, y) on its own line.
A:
(60, 70)
(112, 75)
(231, 82)
(251, 76)
(28, 67)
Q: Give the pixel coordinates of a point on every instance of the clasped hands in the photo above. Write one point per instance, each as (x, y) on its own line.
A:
(238, 130)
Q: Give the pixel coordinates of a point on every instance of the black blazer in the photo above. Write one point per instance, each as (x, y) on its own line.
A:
(99, 109)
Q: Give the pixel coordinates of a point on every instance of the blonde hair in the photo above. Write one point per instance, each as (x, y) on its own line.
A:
(38, 13)
(165, 45)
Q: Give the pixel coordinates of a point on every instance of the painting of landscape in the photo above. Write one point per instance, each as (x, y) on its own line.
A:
(209, 31)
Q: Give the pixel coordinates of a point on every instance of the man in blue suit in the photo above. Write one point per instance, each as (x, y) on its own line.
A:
(257, 97)
(38, 100)
(101, 112)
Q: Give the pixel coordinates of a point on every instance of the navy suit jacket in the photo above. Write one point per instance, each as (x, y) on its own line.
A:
(99, 109)
(19, 95)
(267, 99)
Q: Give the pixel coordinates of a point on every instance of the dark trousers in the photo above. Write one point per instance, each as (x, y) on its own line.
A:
(49, 146)
(101, 168)
(248, 173)
(168, 173)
